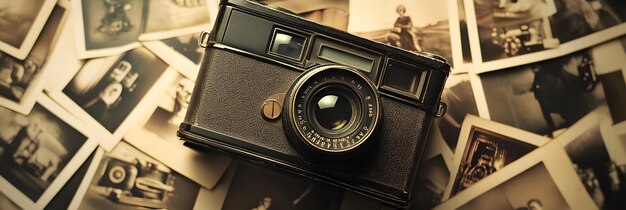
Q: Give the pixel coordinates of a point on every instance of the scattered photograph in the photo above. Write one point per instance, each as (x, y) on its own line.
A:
(182, 53)
(111, 27)
(203, 167)
(484, 148)
(108, 27)
(39, 152)
(511, 33)
(614, 86)
(20, 25)
(107, 95)
(171, 110)
(254, 187)
(577, 18)
(603, 178)
(21, 80)
(432, 181)
(163, 18)
(545, 97)
(416, 26)
(543, 179)
(127, 178)
(459, 96)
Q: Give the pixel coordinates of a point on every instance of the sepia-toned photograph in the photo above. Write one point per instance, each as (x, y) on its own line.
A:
(182, 53)
(511, 28)
(127, 178)
(21, 81)
(542, 179)
(167, 18)
(171, 110)
(40, 151)
(545, 97)
(602, 177)
(416, 26)
(20, 25)
(108, 26)
(254, 187)
(109, 94)
(577, 18)
(511, 33)
(484, 148)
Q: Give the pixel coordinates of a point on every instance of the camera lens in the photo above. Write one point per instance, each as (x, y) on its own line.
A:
(331, 111)
(333, 108)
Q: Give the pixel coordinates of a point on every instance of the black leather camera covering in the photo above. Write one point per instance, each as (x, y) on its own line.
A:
(227, 100)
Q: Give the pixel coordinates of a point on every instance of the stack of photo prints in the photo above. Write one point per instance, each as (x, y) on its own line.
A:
(92, 93)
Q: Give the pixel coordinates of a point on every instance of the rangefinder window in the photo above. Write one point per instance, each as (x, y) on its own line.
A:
(404, 79)
(345, 58)
(288, 45)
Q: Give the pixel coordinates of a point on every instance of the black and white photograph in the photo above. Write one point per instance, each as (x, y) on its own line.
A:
(416, 26)
(543, 179)
(107, 27)
(465, 44)
(171, 110)
(484, 148)
(39, 152)
(21, 80)
(182, 53)
(106, 94)
(258, 188)
(604, 178)
(127, 178)
(509, 33)
(21, 23)
(431, 182)
(545, 97)
(167, 18)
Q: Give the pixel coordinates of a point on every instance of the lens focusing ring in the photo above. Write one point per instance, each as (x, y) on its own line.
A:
(310, 131)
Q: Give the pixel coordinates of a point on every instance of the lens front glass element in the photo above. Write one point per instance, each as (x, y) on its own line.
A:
(333, 112)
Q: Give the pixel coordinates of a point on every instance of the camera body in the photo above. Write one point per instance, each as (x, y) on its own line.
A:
(136, 182)
(281, 90)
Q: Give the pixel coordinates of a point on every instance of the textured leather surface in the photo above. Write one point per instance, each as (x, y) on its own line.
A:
(231, 89)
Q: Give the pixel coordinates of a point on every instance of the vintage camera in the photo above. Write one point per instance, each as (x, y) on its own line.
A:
(139, 183)
(281, 90)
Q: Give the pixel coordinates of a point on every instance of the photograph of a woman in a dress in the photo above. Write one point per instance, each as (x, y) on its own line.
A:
(402, 33)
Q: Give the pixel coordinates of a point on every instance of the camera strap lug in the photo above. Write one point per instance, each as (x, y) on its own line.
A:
(441, 110)
(203, 39)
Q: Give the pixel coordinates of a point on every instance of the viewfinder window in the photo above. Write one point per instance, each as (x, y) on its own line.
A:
(409, 80)
(288, 45)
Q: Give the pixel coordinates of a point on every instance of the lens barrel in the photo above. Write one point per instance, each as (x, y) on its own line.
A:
(331, 112)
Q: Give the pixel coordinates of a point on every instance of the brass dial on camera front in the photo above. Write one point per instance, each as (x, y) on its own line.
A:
(273, 106)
